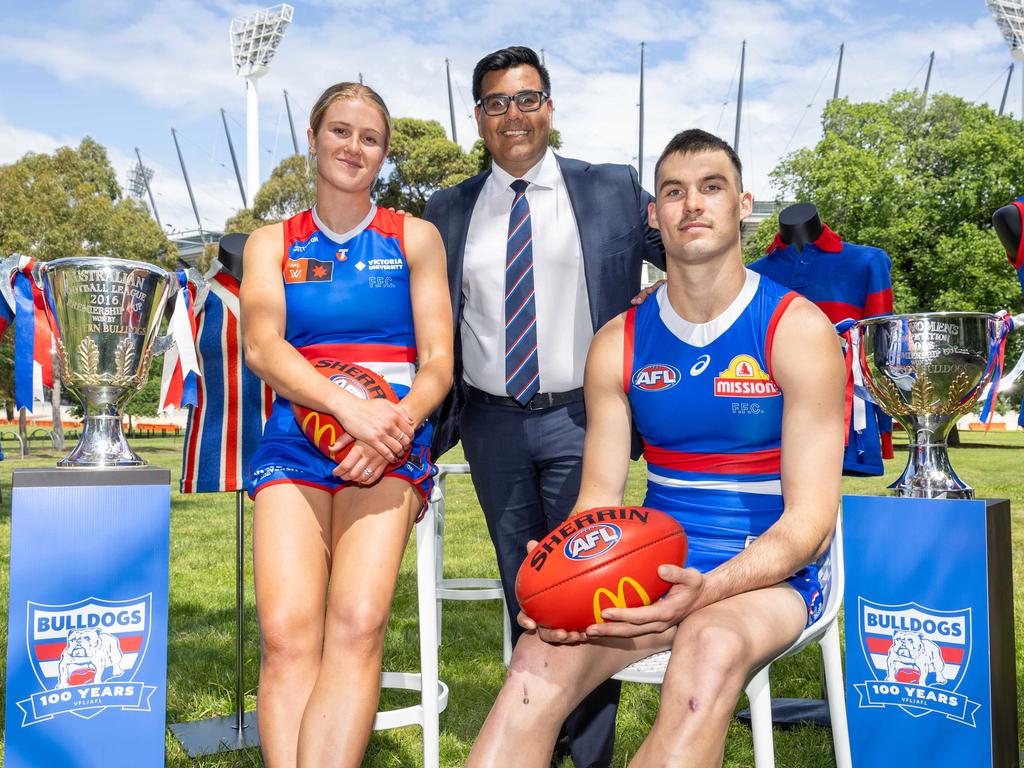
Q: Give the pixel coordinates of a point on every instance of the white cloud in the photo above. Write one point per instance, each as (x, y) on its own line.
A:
(173, 57)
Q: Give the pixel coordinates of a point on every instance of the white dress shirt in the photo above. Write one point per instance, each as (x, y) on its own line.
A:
(564, 328)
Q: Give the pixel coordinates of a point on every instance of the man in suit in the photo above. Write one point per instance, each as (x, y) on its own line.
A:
(542, 251)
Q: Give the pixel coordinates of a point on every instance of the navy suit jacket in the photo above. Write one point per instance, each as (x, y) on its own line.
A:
(610, 208)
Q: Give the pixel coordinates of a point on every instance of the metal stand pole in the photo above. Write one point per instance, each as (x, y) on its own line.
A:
(237, 731)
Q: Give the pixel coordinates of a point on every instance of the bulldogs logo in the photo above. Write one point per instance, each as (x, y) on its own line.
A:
(918, 656)
(86, 657)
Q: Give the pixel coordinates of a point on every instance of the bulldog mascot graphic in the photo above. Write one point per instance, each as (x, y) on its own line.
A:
(912, 650)
(87, 657)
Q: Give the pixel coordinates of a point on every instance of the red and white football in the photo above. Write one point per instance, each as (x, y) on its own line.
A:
(322, 429)
(600, 558)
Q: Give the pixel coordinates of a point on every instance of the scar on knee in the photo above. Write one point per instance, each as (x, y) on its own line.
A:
(693, 704)
(526, 696)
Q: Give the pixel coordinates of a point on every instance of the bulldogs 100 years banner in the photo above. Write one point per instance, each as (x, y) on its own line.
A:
(87, 643)
(930, 673)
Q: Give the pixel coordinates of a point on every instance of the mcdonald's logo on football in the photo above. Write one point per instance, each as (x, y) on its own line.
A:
(617, 599)
(316, 431)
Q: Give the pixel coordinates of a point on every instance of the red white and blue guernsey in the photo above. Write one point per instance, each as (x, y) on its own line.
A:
(346, 297)
(710, 414)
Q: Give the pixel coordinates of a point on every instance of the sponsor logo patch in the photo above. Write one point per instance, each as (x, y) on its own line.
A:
(919, 657)
(744, 378)
(656, 376)
(308, 271)
(702, 362)
(86, 657)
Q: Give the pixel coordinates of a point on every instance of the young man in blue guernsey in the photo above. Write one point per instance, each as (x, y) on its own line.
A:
(751, 472)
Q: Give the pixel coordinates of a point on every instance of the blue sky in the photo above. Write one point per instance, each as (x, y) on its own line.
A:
(125, 72)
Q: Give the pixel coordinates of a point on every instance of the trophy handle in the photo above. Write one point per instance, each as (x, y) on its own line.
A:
(202, 286)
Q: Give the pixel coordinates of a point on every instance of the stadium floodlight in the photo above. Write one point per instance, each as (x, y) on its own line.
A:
(138, 178)
(1009, 16)
(255, 39)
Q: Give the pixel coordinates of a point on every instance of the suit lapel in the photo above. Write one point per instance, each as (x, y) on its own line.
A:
(583, 207)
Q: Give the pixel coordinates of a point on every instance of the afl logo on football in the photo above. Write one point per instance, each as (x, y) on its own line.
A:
(592, 541)
(350, 385)
(656, 376)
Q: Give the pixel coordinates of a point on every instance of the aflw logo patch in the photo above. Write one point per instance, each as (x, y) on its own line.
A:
(86, 656)
(744, 378)
(591, 542)
(308, 271)
(656, 376)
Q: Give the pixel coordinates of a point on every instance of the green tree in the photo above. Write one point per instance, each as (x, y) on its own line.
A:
(422, 160)
(69, 204)
(922, 184)
(290, 189)
(482, 155)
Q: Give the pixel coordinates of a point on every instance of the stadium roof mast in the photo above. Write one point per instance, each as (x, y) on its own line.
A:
(255, 39)
(1009, 16)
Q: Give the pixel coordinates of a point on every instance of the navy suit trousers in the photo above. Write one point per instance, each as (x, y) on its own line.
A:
(526, 468)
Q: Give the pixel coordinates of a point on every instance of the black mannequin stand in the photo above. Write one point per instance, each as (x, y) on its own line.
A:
(238, 730)
(799, 225)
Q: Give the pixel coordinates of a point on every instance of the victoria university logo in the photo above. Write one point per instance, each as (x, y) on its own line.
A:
(919, 657)
(86, 656)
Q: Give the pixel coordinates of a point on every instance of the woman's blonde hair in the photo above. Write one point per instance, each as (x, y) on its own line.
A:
(344, 92)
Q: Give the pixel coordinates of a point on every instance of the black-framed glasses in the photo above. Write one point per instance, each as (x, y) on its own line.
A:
(498, 103)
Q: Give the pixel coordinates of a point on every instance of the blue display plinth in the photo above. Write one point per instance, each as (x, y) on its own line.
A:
(87, 629)
(930, 664)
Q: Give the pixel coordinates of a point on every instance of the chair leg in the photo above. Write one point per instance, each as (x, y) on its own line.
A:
(832, 660)
(760, 695)
(437, 501)
(426, 588)
(506, 634)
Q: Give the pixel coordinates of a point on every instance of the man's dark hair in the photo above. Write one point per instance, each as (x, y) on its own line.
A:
(695, 140)
(507, 58)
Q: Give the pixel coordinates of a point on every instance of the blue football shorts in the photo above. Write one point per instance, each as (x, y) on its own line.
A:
(285, 455)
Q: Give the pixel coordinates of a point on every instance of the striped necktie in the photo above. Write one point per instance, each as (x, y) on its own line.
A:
(522, 374)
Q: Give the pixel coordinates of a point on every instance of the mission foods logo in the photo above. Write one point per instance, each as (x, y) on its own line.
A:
(86, 657)
(919, 657)
(744, 378)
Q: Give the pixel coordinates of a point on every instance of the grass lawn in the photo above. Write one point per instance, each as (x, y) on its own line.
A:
(201, 659)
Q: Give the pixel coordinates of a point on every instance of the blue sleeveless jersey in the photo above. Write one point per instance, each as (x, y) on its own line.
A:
(347, 297)
(710, 414)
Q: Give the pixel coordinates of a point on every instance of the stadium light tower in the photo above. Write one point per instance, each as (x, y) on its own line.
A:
(1009, 16)
(255, 39)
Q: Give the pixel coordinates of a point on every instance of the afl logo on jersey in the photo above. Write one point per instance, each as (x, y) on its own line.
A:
(656, 376)
(592, 541)
(744, 378)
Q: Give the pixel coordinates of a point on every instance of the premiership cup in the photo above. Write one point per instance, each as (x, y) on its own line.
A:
(104, 314)
(926, 371)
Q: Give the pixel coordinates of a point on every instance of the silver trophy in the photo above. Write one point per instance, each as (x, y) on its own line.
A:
(104, 314)
(926, 371)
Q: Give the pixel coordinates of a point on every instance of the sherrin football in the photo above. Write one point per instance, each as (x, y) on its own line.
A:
(600, 558)
(322, 429)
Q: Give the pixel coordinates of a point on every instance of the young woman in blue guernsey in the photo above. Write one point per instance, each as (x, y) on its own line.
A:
(362, 285)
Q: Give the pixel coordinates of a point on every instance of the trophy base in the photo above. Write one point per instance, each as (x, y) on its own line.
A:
(928, 475)
(102, 446)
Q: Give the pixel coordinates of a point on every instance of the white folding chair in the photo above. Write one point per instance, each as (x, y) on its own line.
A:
(464, 588)
(433, 692)
(825, 632)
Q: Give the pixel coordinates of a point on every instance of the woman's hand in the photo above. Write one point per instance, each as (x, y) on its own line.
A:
(383, 426)
(362, 465)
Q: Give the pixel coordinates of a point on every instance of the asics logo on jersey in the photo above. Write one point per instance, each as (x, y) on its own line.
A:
(702, 362)
(656, 376)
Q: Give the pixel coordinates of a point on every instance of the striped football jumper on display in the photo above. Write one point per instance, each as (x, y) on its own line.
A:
(233, 405)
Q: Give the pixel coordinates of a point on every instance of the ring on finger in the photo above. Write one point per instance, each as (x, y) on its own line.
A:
(368, 472)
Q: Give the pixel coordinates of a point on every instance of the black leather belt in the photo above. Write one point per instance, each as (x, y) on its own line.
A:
(538, 402)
